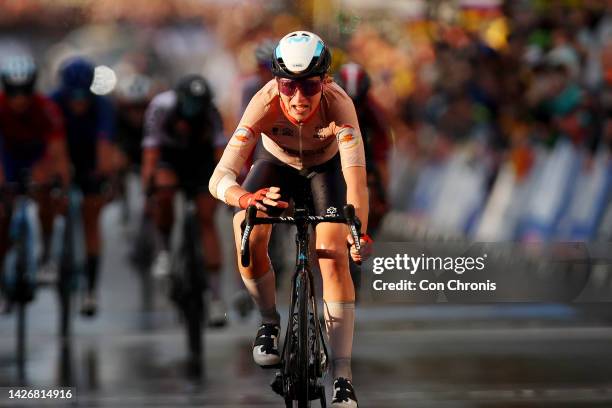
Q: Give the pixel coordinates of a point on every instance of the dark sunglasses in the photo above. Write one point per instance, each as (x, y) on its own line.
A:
(308, 87)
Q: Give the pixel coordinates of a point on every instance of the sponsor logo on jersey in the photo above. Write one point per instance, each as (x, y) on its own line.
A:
(322, 133)
(332, 211)
(241, 137)
(346, 137)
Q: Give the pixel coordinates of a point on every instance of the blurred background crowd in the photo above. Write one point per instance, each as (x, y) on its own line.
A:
(498, 112)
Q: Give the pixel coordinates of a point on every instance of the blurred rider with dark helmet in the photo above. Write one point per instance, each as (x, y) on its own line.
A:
(90, 129)
(133, 94)
(183, 141)
(263, 73)
(375, 132)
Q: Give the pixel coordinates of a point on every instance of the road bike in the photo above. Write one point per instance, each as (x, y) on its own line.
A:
(19, 267)
(304, 358)
(187, 280)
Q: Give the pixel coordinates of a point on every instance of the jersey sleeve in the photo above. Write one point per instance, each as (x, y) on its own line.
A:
(155, 117)
(241, 144)
(346, 129)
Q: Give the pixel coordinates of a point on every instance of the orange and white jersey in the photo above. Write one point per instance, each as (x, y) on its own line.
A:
(331, 127)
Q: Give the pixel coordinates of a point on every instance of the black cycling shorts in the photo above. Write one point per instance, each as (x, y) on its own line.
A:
(322, 188)
(193, 168)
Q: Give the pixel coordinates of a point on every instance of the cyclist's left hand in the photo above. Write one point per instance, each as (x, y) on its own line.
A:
(366, 248)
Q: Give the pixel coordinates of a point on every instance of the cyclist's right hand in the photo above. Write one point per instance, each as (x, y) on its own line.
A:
(266, 196)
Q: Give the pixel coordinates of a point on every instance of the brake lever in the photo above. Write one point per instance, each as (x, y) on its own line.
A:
(354, 226)
(246, 227)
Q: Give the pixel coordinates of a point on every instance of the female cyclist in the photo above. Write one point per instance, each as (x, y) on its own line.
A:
(309, 138)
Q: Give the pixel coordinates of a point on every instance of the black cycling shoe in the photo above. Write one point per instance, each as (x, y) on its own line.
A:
(89, 305)
(265, 347)
(344, 394)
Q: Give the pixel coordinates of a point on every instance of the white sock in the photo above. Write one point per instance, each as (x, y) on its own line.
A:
(263, 292)
(340, 322)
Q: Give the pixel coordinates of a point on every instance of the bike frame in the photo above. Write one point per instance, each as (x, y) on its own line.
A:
(302, 293)
(303, 278)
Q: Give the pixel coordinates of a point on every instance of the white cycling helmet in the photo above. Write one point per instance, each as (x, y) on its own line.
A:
(18, 73)
(300, 54)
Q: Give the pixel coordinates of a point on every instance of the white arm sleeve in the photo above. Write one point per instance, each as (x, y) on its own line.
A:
(236, 152)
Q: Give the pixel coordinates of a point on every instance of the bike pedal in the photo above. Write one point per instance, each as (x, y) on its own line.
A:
(269, 367)
(217, 324)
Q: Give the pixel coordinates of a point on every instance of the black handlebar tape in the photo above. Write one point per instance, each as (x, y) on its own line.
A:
(354, 225)
(251, 213)
(247, 227)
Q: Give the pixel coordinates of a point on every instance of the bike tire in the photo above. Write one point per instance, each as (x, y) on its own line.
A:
(21, 335)
(22, 346)
(64, 291)
(193, 325)
(67, 272)
(303, 343)
(194, 302)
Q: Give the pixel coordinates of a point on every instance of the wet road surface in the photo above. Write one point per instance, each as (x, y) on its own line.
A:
(510, 356)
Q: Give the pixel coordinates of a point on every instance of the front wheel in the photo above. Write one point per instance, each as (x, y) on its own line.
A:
(65, 293)
(194, 290)
(194, 315)
(303, 346)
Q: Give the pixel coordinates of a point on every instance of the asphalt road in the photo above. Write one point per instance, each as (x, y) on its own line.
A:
(404, 356)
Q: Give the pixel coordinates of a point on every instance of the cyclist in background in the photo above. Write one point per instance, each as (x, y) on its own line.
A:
(32, 140)
(183, 141)
(310, 138)
(263, 74)
(375, 131)
(90, 127)
(133, 96)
